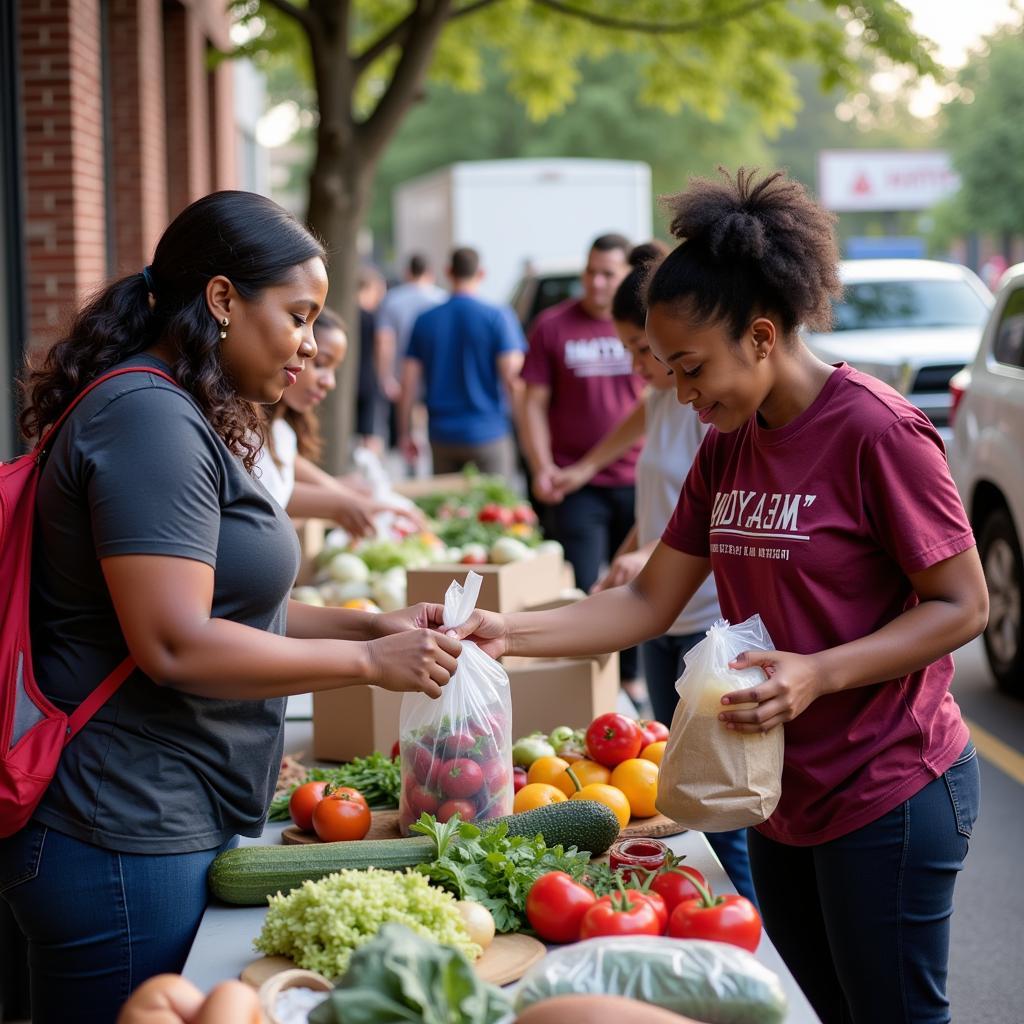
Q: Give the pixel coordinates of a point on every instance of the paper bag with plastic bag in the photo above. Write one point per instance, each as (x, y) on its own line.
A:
(713, 778)
(456, 751)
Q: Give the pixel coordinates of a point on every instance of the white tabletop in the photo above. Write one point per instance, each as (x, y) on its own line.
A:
(223, 945)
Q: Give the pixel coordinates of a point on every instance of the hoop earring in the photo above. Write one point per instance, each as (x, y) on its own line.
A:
(224, 329)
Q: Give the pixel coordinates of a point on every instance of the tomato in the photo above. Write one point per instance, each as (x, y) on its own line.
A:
(340, 816)
(585, 771)
(496, 514)
(612, 798)
(458, 743)
(654, 752)
(460, 777)
(465, 809)
(613, 738)
(555, 905)
(620, 914)
(728, 918)
(422, 799)
(425, 766)
(547, 769)
(652, 731)
(303, 802)
(524, 514)
(495, 775)
(518, 778)
(396, 750)
(536, 794)
(677, 883)
(657, 903)
(638, 779)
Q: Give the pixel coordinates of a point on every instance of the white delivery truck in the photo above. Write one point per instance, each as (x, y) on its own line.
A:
(520, 215)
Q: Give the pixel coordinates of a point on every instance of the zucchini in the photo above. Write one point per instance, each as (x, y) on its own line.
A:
(247, 875)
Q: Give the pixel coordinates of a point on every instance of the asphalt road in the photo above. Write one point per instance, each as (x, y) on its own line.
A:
(986, 980)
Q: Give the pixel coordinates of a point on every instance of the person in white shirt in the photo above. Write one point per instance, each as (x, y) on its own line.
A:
(287, 464)
(672, 434)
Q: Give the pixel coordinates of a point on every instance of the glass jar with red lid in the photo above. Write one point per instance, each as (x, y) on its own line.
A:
(637, 857)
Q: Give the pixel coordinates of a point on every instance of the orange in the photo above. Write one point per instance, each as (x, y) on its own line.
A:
(654, 751)
(547, 769)
(610, 797)
(586, 772)
(361, 604)
(638, 779)
(539, 794)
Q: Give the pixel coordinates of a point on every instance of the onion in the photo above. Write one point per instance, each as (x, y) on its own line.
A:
(478, 921)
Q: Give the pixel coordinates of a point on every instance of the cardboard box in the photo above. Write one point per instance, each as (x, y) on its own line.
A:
(354, 721)
(505, 588)
(547, 692)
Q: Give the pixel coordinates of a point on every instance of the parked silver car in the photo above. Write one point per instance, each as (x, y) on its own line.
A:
(986, 458)
(911, 323)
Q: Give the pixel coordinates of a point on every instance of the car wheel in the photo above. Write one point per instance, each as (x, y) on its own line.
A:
(999, 548)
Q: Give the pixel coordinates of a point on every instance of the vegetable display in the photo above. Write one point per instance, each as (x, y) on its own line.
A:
(377, 777)
(319, 924)
(709, 981)
(402, 976)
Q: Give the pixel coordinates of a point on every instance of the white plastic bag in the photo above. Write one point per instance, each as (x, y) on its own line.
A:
(456, 751)
(713, 778)
(708, 981)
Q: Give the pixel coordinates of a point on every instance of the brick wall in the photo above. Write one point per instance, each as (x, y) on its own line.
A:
(65, 234)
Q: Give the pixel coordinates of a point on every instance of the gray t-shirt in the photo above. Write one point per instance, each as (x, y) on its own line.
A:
(400, 308)
(137, 469)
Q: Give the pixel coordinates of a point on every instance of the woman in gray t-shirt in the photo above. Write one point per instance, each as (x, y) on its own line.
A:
(152, 539)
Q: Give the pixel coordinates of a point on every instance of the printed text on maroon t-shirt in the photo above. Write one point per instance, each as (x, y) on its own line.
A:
(740, 519)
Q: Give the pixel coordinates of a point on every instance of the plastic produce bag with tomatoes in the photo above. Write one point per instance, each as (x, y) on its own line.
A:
(713, 778)
(456, 751)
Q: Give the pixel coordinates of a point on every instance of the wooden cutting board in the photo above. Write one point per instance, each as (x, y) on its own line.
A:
(384, 825)
(506, 959)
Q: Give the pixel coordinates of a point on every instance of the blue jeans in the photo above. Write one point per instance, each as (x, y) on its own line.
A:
(863, 921)
(663, 665)
(98, 923)
(591, 524)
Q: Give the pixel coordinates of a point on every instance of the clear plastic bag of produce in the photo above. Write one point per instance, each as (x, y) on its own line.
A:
(456, 751)
(709, 981)
(712, 778)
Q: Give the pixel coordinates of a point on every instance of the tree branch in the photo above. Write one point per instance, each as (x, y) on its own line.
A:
(653, 27)
(300, 14)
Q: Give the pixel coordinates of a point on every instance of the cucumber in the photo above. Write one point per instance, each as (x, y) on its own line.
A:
(249, 874)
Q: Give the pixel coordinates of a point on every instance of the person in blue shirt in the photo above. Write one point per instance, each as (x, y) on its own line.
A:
(464, 358)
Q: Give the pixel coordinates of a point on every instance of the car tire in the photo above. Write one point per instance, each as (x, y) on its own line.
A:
(999, 549)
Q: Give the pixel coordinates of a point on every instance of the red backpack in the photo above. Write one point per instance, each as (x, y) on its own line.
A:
(32, 731)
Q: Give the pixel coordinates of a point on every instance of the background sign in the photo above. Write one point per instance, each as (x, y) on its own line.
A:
(850, 180)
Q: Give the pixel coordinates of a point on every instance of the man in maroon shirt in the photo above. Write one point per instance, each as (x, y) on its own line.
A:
(579, 384)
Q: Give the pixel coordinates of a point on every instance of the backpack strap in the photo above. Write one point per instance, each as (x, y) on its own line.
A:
(81, 715)
(44, 441)
(106, 689)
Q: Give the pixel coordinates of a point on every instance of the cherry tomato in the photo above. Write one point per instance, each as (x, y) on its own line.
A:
(555, 905)
(612, 739)
(302, 803)
(728, 918)
(465, 809)
(676, 883)
(341, 816)
(618, 914)
(460, 777)
(652, 731)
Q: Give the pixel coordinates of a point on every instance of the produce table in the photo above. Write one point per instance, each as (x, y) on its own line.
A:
(223, 945)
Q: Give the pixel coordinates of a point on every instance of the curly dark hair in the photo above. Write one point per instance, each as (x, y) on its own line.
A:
(306, 425)
(749, 247)
(246, 237)
(629, 305)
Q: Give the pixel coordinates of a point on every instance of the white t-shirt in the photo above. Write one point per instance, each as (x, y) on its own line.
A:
(672, 435)
(278, 477)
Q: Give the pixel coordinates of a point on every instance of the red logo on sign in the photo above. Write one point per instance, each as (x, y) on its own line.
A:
(862, 185)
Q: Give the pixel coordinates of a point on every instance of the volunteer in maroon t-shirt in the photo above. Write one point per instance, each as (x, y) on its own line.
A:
(579, 384)
(822, 501)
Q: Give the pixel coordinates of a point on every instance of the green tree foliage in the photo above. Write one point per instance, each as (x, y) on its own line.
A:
(369, 60)
(982, 133)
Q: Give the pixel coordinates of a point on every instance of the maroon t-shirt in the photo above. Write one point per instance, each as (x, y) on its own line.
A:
(589, 372)
(816, 526)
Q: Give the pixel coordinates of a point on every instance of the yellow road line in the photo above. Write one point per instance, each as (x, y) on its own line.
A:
(993, 749)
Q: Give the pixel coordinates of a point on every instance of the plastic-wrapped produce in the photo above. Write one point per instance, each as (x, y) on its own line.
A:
(710, 981)
(456, 751)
